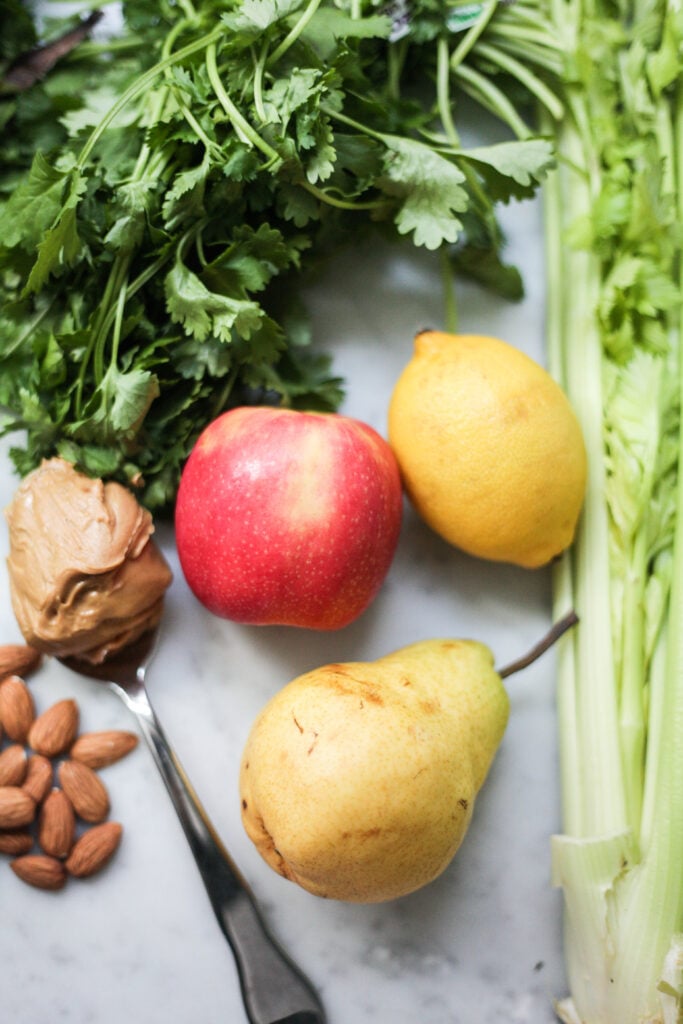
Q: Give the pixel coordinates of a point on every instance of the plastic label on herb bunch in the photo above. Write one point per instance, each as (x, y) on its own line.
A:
(462, 18)
(459, 19)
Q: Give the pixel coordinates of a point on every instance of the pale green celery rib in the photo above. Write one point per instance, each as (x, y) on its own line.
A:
(666, 669)
(656, 719)
(652, 912)
(563, 572)
(600, 802)
(623, 899)
(632, 725)
(620, 861)
(586, 870)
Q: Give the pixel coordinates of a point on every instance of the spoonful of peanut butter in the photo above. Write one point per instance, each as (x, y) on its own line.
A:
(86, 576)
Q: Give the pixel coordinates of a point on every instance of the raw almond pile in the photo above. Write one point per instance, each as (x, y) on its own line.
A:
(54, 807)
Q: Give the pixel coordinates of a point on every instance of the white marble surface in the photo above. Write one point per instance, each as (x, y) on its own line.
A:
(481, 945)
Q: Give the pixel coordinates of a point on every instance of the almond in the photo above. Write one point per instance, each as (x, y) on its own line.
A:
(85, 790)
(13, 764)
(18, 659)
(17, 808)
(40, 870)
(56, 824)
(17, 842)
(100, 749)
(54, 730)
(38, 777)
(17, 709)
(93, 849)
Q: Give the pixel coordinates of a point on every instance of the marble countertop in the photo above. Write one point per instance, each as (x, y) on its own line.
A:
(481, 944)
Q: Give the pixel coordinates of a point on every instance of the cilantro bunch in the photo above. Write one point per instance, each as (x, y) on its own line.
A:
(185, 176)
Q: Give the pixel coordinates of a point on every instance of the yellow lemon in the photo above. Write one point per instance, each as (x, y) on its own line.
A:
(490, 450)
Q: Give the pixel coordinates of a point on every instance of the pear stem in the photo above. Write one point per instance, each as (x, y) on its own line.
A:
(552, 636)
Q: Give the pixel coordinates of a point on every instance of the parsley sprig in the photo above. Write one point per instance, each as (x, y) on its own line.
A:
(184, 177)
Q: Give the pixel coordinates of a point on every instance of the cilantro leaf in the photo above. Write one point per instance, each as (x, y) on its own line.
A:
(34, 206)
(117, 407)
(152, 259)
(509, 164)
(255, 16)
(61, 244)
(251, 260)
(185, 198)
(127, 397)
(430, 189)
(203, 312)
(324, 32)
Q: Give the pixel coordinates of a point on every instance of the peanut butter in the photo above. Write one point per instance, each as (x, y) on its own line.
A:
(86, 578)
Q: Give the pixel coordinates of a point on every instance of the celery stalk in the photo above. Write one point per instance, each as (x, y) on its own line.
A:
(614, 227)
(623, 886)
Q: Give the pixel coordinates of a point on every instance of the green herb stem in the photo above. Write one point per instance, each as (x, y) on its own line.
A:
(448, 286)
(484, 91)
(340, 204)
(534, 46)
(88, 49)
(149, 273)
(222, 396)
(115, 308)
(157, 101)
(244, 130)
(29, 328)
(116, 285)
(119, 309)
(259, 69)
(141, 85)
(351, 122)
(396, 58)
(295, 32)
(166, 53)
(536, 87)
(443, 90)
(188, 8)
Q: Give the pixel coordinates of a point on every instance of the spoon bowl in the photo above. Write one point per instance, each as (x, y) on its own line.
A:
(274, 990)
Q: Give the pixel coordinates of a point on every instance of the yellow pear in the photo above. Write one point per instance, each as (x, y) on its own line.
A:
(358, 780)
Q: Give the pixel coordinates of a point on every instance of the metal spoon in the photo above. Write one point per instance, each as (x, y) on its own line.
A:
(274, 990)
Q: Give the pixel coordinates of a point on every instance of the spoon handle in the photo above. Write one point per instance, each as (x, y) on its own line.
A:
(274, 989)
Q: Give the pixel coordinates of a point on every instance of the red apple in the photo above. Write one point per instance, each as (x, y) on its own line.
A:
(288, 518)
